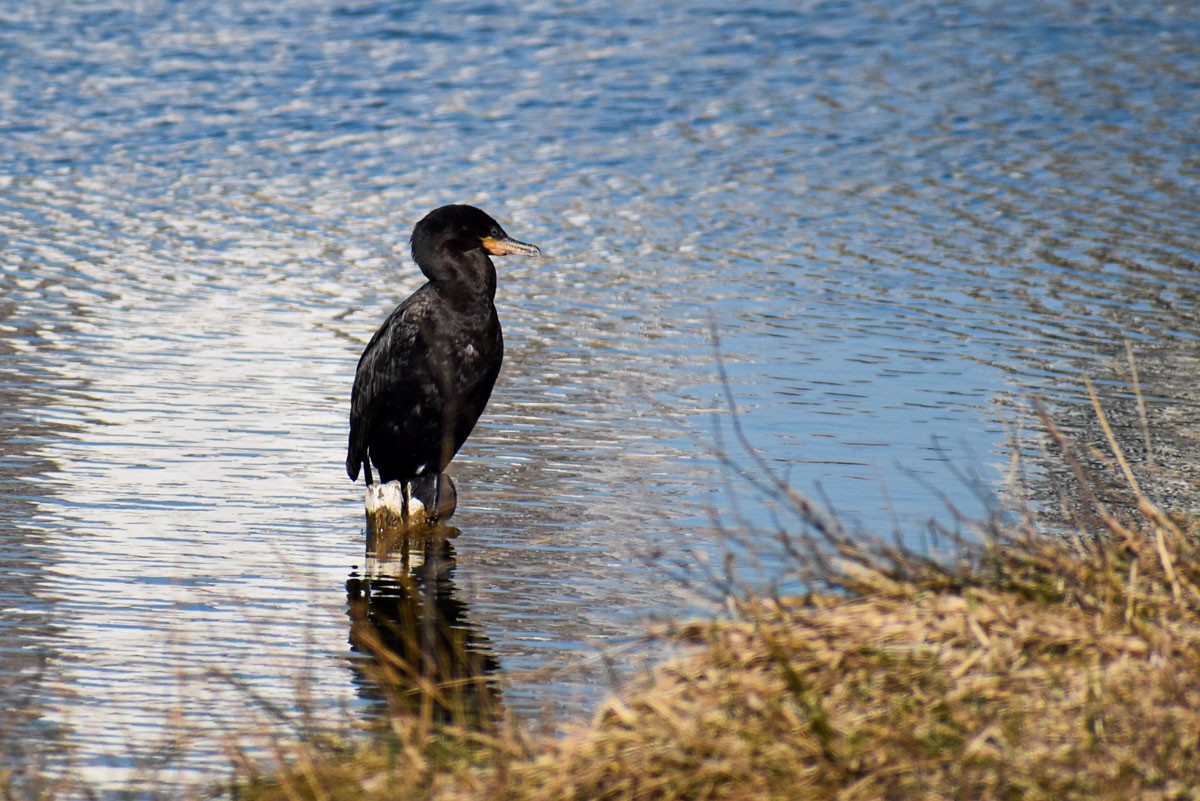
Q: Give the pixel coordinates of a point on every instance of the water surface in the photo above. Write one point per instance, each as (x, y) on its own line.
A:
(901, 220)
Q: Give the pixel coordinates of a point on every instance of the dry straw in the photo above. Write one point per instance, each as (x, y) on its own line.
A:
(1029, 666)
(1021, 665)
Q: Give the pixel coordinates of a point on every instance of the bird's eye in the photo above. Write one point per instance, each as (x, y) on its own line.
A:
(495, 233)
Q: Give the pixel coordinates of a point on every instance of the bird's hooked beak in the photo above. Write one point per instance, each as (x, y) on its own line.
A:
(503, 245)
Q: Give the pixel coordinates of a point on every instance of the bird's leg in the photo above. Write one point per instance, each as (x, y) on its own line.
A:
(367, 466)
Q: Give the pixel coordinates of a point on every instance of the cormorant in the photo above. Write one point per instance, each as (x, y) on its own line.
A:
(427, 374)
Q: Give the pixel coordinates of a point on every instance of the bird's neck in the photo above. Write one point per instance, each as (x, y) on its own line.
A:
(467, 279)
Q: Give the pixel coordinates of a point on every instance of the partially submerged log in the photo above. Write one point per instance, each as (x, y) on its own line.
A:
(426, 500)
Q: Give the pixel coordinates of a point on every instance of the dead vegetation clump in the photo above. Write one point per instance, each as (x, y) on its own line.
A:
(1029, 666)
(1063, 683)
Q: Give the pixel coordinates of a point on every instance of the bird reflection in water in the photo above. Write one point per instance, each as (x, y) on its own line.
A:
(417, 651)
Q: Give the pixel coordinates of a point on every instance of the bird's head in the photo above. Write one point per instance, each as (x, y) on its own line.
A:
(448, 234)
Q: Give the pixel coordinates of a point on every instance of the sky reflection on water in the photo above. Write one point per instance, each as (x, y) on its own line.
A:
(902, 219)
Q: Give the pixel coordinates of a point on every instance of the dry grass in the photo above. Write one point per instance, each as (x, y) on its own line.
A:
(1018, 664)
(1032, 667)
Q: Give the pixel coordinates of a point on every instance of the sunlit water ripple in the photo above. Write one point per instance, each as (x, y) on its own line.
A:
(900, 220)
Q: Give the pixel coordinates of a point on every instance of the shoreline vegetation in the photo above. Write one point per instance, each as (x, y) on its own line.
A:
(1027, 665)
(1018, 662)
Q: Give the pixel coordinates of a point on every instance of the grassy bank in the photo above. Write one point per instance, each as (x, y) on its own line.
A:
(1028, 666)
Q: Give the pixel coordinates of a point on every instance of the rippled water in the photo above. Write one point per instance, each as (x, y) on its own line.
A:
(901, 219)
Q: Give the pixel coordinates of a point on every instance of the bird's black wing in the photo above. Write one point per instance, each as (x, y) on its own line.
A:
(380, 373)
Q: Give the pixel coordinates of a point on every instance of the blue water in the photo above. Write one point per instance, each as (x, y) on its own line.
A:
(895, 222)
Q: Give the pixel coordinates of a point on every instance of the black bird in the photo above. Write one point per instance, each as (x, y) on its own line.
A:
(428, 372)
